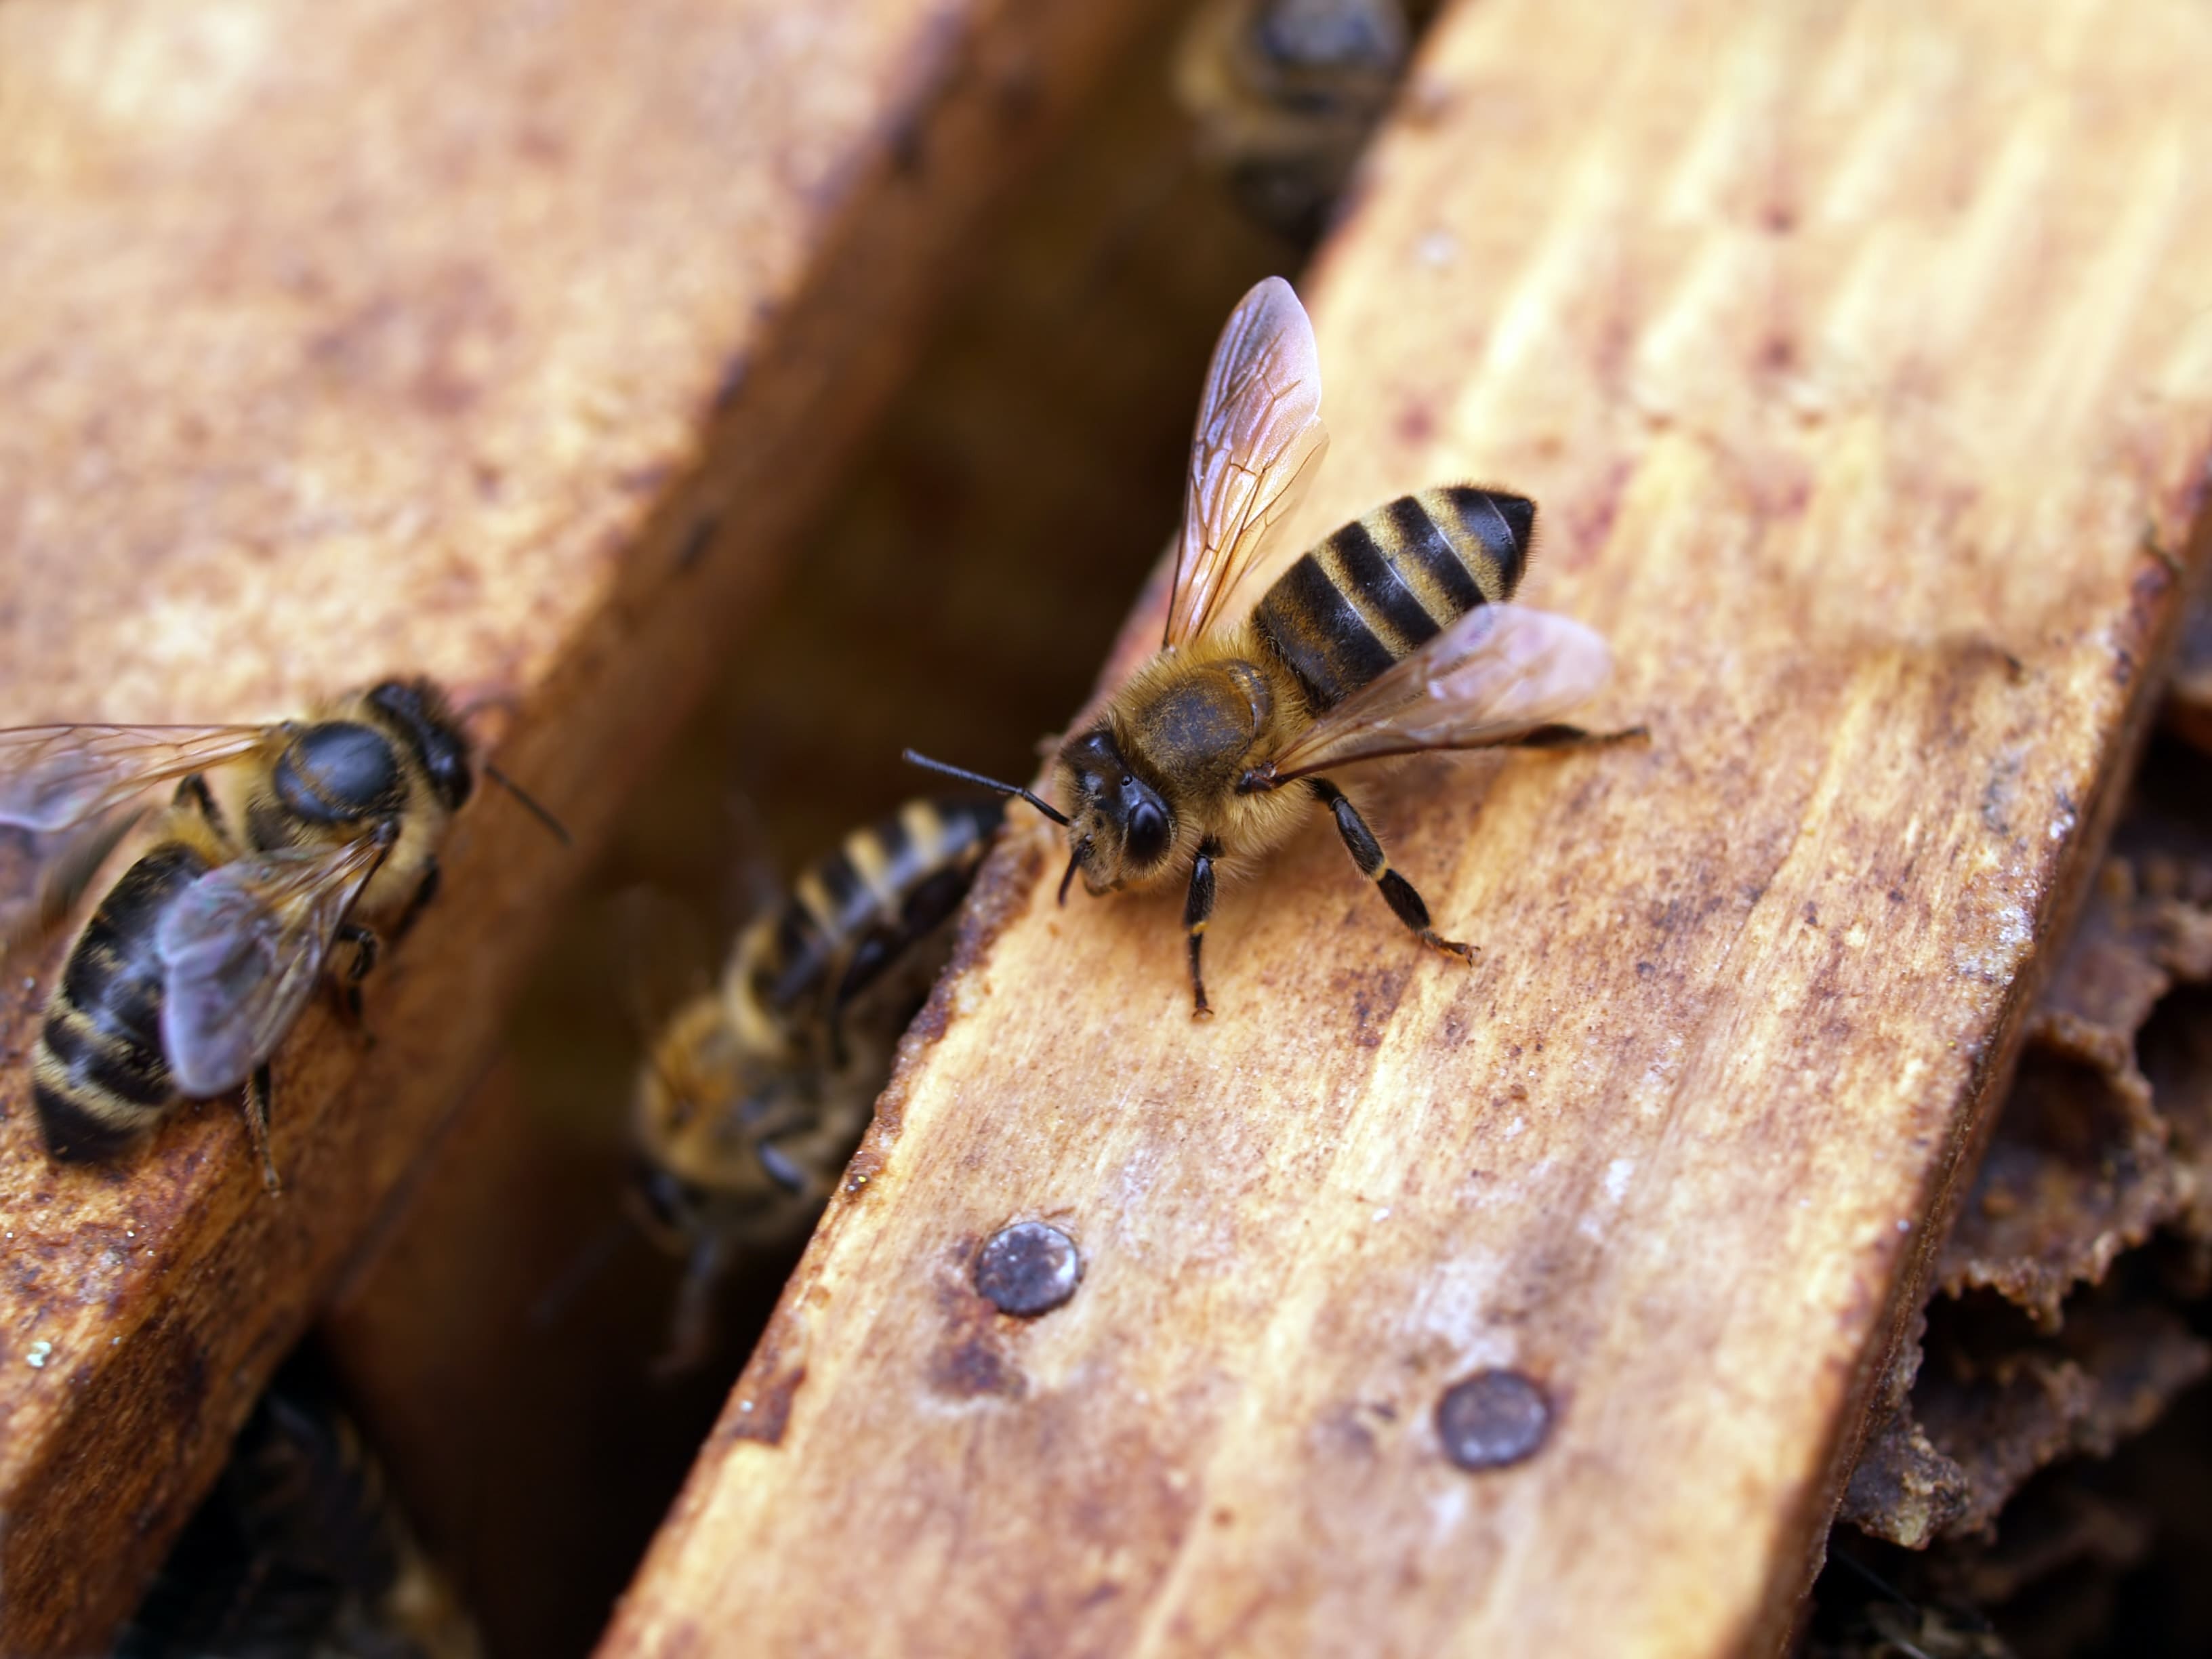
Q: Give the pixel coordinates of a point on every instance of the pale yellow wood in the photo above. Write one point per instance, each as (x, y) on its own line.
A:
(1859, 357)
(504, 345)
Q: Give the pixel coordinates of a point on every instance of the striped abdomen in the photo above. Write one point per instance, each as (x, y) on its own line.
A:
(1383, 586)
(855, 911)
(99, 1078)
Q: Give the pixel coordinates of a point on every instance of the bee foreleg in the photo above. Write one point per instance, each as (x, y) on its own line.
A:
(1197, 908)
(259, 1094)
(425, 891)
(1367, 853)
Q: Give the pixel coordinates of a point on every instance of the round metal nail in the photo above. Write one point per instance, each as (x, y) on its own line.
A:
(1027, 1269)
(1492, 1419)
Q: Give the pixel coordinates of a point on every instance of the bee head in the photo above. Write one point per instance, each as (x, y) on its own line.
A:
(416, 713)
(706, 1116)
(1121, 829)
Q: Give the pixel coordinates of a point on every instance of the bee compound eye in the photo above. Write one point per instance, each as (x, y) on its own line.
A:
(1148, 833)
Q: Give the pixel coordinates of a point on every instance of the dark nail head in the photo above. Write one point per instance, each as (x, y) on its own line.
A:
(1027, 1269)
(1492, 1419)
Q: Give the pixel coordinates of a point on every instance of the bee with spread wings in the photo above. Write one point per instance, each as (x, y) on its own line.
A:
(1392, 635)
(281, 843)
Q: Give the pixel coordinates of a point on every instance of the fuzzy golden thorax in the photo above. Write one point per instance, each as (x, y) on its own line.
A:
(393, 756)
(1157, 775)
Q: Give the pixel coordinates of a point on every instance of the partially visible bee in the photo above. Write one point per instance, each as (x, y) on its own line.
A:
(1875, 1619)
(1284, 94)
(300, 1552)
(1391, 636)
(280, 842)
(755, 1093)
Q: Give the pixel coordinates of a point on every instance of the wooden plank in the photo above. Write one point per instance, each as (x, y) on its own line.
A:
(1110, 271)
(1856, 354)
(505, 348)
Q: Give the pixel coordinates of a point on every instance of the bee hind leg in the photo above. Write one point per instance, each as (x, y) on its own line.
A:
(1197, 910)
(1404, 903)
(259, 1094)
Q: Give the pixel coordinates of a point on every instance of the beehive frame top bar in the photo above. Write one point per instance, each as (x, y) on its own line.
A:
(505, 345)
(1859, 359)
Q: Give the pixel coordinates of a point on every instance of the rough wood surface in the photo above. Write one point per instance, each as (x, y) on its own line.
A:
(1861, 360)
(1051, 411)
(503, 344)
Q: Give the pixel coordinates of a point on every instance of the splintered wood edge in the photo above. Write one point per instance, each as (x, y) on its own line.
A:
(140, 1350)
(1070, 1481)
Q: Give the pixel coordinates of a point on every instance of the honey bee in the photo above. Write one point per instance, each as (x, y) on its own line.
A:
(300, 1552)
(1392, 635)
(755, 1093)
(282, 843)
(1284, 94)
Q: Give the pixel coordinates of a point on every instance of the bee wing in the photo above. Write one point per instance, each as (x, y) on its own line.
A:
(1259, 442)
(52, 776)
(1498, 672)
(64, 873)
(240, 950)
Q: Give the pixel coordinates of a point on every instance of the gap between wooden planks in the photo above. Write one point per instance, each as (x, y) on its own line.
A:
(1862, 358)
(506, 348)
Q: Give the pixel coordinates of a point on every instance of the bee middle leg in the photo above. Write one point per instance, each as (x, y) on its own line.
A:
(692, 1334)
(1197, 910)
(366, 947)
(1367, 853)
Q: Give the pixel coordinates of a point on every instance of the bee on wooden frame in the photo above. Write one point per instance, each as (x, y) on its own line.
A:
(300, 1550)
(1284, 94)
(755, 1093)
(1392, 635)
(282, 843)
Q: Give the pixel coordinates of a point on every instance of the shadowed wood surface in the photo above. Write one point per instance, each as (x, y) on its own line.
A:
(507, 346)
(1861, 360)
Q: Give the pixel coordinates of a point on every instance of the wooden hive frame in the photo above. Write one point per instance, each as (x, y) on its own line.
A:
(1860, 362)
(420, 339)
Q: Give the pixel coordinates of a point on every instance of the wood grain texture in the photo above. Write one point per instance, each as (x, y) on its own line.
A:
(1051, 410)
(1859, 357)
(503, 344)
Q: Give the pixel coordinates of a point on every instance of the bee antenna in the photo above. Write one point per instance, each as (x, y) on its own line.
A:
(978, 778)
(560, 830)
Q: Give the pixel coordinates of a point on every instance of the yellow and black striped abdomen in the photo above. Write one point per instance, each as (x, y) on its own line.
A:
(100, 1078)
(1383, 586)
(855, 911)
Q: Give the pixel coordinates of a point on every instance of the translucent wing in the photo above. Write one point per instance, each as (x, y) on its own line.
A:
(240, 950)
(1259, 442)
(52, 776)
(1498, 672)
(64, 872)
